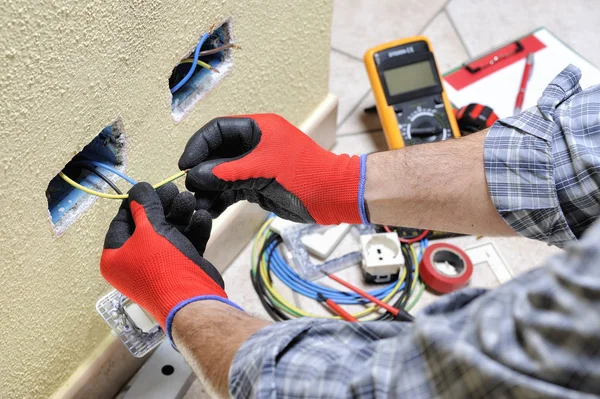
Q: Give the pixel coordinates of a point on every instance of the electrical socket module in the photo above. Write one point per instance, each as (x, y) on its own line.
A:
(382, 257)
(138, 331)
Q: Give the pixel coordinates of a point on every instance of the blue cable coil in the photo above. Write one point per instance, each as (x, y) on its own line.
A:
(309, 289)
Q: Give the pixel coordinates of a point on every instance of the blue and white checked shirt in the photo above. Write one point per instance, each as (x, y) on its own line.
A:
(537, 336)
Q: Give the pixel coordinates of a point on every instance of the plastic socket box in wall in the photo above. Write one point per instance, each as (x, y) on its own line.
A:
(138, 339)
(382, 257)
(66, 203)
(203, 80)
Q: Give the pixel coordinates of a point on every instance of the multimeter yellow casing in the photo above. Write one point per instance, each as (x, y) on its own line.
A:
(409, 93)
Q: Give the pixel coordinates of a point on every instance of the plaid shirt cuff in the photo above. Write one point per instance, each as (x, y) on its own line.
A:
(531, 164)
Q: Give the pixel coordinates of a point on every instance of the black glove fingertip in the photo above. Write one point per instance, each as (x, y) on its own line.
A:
(198, 230)
(167, 194)
(182, 208)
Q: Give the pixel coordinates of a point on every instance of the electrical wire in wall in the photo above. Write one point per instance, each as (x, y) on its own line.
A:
(392, 301)
(119, 194)
(209, 50)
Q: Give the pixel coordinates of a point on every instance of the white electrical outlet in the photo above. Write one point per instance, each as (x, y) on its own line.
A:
(382, 256)
(322, 243)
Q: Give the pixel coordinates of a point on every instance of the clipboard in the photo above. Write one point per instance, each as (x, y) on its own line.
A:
(494, 78)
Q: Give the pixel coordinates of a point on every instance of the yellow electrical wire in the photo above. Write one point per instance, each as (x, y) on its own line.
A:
(277, 296)
(416, 278)
(259, 235)
(115, 196)
(201, 63)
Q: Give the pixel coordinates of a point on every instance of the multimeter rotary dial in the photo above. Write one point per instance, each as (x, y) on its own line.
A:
(424, 125)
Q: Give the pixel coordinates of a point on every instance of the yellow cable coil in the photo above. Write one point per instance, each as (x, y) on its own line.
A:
(263, 270)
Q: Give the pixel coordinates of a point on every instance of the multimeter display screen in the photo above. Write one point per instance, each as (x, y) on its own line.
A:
(409, 77)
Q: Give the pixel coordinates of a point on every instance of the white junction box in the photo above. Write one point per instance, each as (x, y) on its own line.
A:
(319, 243)
(382, 257)
(322, 243)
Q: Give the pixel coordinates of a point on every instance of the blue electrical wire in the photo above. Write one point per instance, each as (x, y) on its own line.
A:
(110, 169)
(311, 290)
(194, 64)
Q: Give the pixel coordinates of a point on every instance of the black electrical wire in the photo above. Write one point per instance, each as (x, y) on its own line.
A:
(99, 174)
(273, 311)
(408, 261)
(278, 315)
(401, 302)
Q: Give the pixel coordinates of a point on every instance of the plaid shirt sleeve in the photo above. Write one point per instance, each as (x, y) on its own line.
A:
(543, 165)
(537, 336)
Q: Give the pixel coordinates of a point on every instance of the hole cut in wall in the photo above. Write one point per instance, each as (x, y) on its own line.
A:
(66, 203)
(216, 52)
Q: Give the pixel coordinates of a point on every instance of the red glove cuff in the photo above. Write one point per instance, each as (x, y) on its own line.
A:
(328, 185)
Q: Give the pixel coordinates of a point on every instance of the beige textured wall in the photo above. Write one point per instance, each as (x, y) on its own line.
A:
(67, 69)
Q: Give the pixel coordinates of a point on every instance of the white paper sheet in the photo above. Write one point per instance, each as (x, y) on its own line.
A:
(500, 89)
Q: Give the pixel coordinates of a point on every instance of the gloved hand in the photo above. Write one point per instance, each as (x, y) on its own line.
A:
(264, 159)
(153, 252)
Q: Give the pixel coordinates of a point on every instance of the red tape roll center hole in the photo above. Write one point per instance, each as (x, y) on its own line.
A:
(449, 263)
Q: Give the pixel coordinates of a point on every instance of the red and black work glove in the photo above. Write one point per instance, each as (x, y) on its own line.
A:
(153, 252)
(264, 159)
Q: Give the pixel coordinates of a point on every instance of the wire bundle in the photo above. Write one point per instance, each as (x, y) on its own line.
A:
(267, 261)
(92, 166)
(194, 62)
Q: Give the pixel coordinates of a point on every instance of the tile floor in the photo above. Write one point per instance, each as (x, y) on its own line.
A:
(459, 30)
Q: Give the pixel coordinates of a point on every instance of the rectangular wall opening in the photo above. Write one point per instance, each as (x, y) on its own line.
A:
(67, 203)
(215, 52)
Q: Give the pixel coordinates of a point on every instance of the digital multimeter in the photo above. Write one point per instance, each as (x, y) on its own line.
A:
(409, 93)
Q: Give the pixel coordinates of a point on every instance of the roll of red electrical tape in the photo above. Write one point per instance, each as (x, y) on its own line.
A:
(445, 268)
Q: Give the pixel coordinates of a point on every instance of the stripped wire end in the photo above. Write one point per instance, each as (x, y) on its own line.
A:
(214, 70)
(212, 28)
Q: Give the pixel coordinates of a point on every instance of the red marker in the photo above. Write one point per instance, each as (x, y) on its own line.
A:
(524, 81)
(399, 314)
(337, 308)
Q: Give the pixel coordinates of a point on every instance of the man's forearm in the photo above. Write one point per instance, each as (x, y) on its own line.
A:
(208, 334)
(439, 186)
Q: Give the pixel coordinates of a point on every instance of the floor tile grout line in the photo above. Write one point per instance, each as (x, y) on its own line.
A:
(363, 97)
(462, 41)
(430, 20)
(346, 54)
(354, 108)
